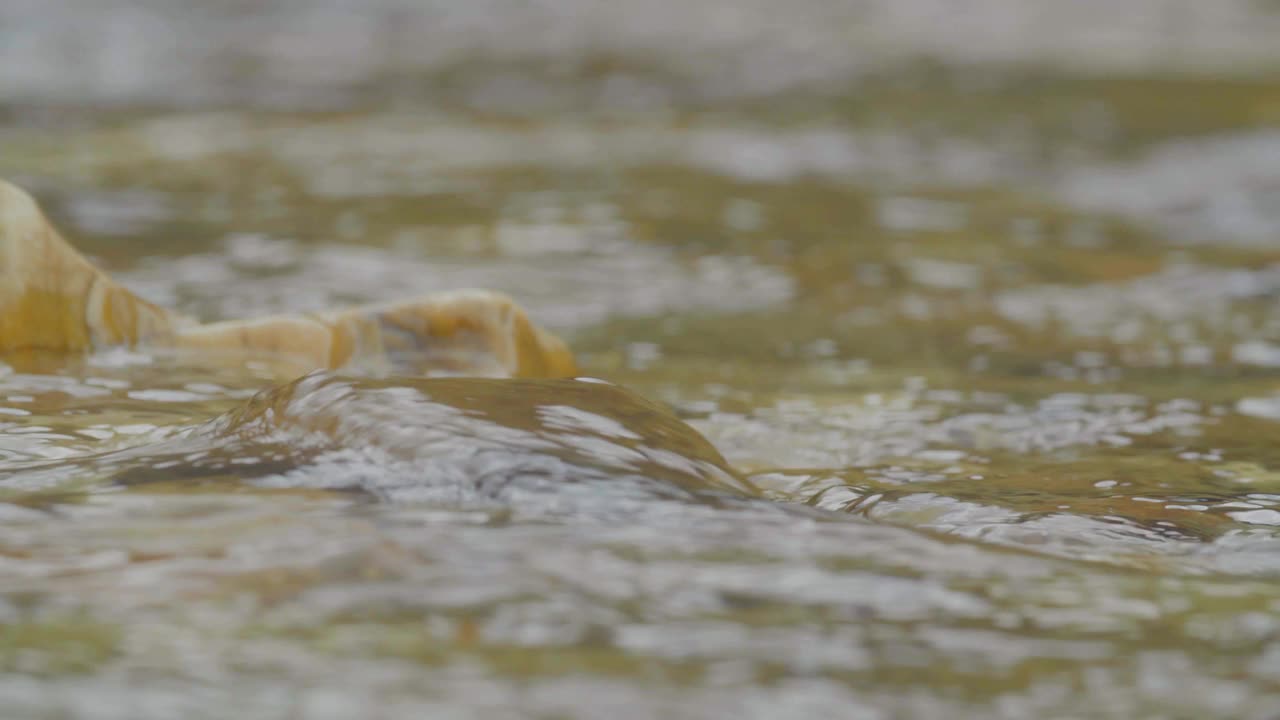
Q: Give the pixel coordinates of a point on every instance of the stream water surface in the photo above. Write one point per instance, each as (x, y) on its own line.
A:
(979, 317)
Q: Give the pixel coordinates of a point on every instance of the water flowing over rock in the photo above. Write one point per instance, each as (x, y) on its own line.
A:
(450, 440)
(538, 445)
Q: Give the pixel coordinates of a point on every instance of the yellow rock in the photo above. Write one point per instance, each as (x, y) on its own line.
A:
(53, 300)
(468, 332)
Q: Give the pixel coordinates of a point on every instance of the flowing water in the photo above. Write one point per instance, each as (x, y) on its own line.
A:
(980, 305)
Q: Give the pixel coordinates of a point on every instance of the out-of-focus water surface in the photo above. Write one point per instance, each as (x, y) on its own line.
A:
(994, 287)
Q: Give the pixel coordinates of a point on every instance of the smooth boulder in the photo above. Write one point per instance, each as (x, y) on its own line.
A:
(53, 300)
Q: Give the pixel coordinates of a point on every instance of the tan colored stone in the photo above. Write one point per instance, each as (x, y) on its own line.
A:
(53, 300)
(468, 332)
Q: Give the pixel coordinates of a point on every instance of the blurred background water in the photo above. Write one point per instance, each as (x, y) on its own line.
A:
(991, 285)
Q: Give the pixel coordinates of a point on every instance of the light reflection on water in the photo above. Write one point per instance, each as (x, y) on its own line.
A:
(990, 351)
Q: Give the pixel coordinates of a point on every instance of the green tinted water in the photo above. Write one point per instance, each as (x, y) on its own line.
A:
(1010, 331)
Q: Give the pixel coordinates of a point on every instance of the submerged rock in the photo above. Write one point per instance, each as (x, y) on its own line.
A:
(534, 444)
(52, 300)
(452, 440)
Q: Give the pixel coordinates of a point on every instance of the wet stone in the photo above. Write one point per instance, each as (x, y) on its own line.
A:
(449, 441)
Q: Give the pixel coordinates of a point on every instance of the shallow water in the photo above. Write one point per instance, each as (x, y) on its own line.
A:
(983, 322)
